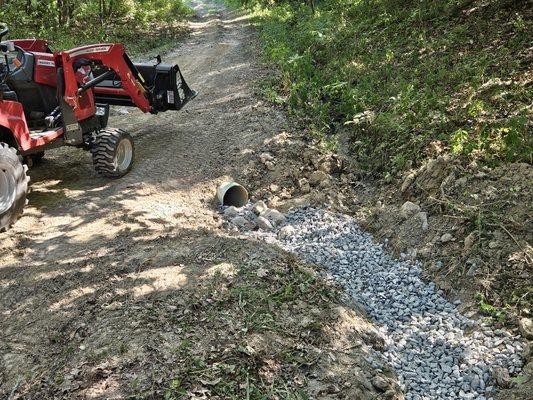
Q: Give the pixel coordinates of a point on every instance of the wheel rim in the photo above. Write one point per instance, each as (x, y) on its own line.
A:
(124, 155)
(7, 190)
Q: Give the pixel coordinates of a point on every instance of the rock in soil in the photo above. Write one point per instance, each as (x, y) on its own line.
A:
(242, 223)
(265, 157)
(447, 237)
(263, 223)
(526, 327)
(274, 216)
(469, 241)
(317, 177)
(409, 208)
(304, 185)
(501, 375)
(423, 218)
(231, 212)
(259, 207)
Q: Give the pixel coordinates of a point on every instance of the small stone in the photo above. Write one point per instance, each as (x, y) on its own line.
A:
(259, 207)
(231, 212)
(324, 184)
(470, 240)
(494, 244)
(316, 177)
(447, 237)
(422, 216)
(326, 166)
(263, 223)
(274, 188)
(408, 181)
(526, 328)
(473, 270)
(409, 208)
(262, 272)
(527, 353)
(270, 166)
(304, 185)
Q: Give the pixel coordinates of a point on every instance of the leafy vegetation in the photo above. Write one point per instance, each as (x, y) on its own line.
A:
(405, 81)
(141, 24)
(488, 309)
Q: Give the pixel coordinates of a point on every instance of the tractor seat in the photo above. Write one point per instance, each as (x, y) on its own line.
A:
(7, 93)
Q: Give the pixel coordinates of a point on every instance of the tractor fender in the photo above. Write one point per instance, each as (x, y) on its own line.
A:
(12, 118)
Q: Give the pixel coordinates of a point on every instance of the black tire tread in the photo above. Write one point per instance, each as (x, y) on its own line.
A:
(9, 217)
(103, 151)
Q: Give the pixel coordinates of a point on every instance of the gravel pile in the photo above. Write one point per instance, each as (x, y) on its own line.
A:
(437, 352)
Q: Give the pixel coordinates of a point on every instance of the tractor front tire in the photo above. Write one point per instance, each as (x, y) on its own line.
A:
(113, 152)
(13, 186)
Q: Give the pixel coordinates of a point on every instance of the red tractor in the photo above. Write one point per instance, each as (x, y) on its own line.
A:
(52, 99)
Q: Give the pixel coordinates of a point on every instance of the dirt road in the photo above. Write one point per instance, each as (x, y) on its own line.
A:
(85, 241)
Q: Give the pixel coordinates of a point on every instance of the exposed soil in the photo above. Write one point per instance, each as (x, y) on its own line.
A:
(130, 287)
(133, 287)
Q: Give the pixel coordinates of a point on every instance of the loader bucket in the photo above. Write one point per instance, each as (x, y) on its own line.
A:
(165, 86)
(169, 89)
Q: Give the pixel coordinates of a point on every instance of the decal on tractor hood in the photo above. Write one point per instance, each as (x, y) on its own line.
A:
(46, 63)
(91, 50)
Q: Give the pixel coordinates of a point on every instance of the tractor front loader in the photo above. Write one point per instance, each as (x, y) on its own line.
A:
(52, 99)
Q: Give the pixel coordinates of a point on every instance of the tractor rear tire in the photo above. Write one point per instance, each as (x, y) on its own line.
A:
(13, 186)
(113, 152)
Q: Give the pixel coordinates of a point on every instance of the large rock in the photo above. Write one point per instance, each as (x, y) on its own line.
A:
(259, 207)
(274, 216)
(264, 224)
(317, 177)
(242, 223)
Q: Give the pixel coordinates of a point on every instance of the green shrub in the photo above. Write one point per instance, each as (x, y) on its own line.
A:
(140, 24)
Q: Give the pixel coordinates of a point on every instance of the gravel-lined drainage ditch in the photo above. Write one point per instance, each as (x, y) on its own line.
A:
(437, 352)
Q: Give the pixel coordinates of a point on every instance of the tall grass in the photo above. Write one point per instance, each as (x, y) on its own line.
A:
(406, 80)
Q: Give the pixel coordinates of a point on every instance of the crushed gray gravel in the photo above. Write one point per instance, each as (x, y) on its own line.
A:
(437, 352)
